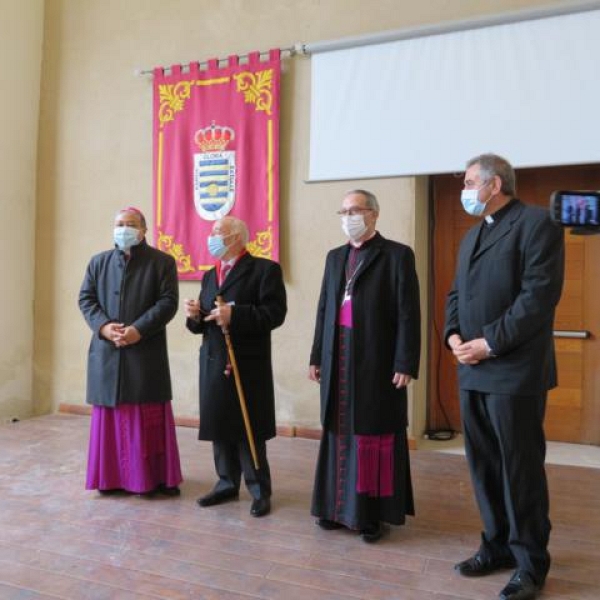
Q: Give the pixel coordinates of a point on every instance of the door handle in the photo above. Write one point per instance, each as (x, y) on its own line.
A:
(574, 334)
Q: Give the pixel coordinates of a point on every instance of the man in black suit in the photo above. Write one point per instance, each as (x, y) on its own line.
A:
(365, 352)
(499, 326)
(254, 304)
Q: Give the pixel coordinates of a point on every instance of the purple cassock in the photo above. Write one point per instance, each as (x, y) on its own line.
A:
(133, 443)
(133, 447)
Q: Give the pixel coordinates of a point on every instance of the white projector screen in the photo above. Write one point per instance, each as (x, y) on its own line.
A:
(529, 91)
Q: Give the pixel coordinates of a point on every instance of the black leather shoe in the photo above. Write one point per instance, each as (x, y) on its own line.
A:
(482, 564)
(328, 525)
(218, 497)
(168, 491)
(260, 507)
(520, 587)
(372, 533)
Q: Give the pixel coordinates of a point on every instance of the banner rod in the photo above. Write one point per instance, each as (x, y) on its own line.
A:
(222, 61)
(555, 10)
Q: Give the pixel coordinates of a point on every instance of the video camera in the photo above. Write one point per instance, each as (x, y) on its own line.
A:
(579, 210)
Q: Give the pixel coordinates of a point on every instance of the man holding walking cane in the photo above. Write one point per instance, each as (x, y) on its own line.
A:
(243, 298)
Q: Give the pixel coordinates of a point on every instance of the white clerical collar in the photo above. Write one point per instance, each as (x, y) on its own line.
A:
(489, 219)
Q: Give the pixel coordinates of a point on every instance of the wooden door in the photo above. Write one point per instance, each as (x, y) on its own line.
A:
(573, 412)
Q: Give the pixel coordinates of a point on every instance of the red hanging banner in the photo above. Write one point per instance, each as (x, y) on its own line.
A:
(216, 153)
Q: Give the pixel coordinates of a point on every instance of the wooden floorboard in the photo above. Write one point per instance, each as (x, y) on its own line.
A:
(58, 541)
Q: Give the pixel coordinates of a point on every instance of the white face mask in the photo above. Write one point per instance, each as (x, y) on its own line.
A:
(471, 202)
(354, 226)
(126, 237)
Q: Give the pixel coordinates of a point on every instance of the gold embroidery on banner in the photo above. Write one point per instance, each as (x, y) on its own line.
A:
(257, 88)
(159, 178)
(262, 245)
(173, 96)
(270, 170)
(202, 82)
(172, 100)
(167, 244)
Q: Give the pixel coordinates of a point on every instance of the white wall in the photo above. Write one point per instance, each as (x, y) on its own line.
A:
(21, 30)
(96, 156)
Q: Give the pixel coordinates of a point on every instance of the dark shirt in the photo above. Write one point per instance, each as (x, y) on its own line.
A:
(492, 221)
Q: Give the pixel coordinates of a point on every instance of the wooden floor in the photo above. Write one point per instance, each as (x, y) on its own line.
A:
(59, 541)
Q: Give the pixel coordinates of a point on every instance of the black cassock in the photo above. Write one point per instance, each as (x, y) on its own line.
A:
(357, 365)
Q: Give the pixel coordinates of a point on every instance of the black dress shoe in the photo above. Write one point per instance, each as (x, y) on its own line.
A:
(328, 525)
(168, 491)
(260, 507)
(520, 587)
(218, 497)
(482, 564)
(372, 533)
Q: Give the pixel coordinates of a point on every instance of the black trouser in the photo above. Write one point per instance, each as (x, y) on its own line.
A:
(234, 458)
(506, 449)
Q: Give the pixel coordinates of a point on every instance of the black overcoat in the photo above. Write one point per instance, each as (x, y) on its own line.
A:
(255, 288)
(506, 291)
(386, 333)
(142, 292)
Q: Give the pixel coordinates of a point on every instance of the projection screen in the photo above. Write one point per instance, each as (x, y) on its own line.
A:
(527, 90)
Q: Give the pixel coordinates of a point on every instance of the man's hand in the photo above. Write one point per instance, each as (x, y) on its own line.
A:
(111, 331)
(192, 309)
(454, 340)
(401, 380)
(127, 336)
(470, 353)
(221, 314)
(314, 373)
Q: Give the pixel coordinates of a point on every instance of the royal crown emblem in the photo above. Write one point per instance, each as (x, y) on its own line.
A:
(214, 172)
(214, 138)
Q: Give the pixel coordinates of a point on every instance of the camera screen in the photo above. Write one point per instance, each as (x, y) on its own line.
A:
(580, 209)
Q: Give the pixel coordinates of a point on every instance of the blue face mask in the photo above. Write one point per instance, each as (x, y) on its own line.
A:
(125, 237)
(216, 245)
(471, 203)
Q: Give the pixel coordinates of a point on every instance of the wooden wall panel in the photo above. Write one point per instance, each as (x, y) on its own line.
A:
(573, 412)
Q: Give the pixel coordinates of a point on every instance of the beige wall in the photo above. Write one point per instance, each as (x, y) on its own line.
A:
(95, 156)
(21, 29)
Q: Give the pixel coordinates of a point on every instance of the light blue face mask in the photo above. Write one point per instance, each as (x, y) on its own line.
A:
(471, 203)
(216, 245)
(126, 237)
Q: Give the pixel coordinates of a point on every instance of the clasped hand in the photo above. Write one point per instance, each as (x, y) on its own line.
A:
(468, 353)
(120, 335)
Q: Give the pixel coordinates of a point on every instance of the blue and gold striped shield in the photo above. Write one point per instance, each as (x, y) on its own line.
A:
(214, 184)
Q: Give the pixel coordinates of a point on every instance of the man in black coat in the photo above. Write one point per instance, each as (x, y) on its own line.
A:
(128, 296)
(365, 352)
(499, 325)
(254, 299)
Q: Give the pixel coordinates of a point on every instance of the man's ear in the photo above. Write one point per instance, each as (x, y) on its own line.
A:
(497, 185)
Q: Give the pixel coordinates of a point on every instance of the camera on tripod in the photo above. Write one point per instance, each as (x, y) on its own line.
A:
(579, 210)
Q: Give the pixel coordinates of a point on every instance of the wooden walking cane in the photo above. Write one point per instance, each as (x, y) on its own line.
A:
(240, 390)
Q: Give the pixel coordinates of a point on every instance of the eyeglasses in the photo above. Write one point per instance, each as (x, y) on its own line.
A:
(350, 212)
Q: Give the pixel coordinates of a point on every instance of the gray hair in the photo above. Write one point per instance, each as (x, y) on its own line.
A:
(370, 198)
(238, 227)
(492, 165)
